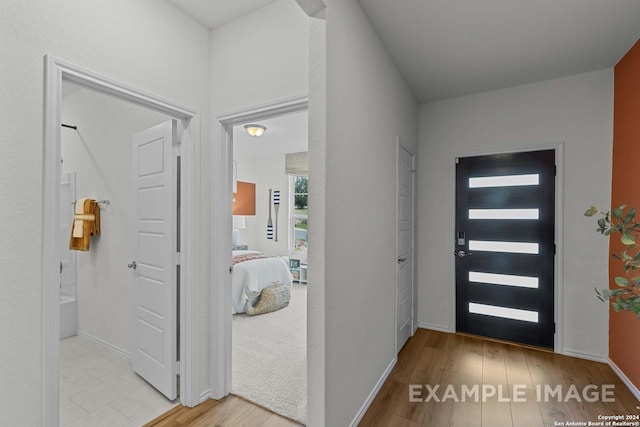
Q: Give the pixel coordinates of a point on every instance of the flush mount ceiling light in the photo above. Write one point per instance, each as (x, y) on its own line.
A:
(255, 130)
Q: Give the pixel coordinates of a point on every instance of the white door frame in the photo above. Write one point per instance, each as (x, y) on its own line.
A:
(221, 207)
(55, 72)
(558, 345)
(414, 323)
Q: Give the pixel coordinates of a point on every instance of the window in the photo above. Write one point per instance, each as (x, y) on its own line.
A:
(298, 213)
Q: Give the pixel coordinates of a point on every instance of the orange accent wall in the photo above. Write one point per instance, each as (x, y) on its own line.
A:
(624, 328)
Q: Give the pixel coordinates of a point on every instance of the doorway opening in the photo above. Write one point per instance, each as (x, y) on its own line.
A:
(505, 246)
(93, 153)
(271, 168)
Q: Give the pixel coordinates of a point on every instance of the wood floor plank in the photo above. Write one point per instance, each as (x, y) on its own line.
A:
(467, 414)
(232, 411)
(456, 360)
(496, 414)
(450, 360)
(494, 373)
(527, 413)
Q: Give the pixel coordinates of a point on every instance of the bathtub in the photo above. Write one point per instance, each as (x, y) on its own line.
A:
(68, 315)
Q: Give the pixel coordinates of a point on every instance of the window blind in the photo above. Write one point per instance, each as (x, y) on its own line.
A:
(297, 164)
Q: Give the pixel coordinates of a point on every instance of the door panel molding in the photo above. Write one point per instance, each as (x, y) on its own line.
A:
(558, 146)
(405, 236)
(154, 181)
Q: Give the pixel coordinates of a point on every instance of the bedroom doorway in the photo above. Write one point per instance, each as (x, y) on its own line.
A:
(59, 78)
(267, 352)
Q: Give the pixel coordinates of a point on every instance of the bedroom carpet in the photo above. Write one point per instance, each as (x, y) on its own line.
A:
(270, 360)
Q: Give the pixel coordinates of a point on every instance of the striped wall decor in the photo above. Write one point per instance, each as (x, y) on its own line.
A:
(269, 221)
(276, 208)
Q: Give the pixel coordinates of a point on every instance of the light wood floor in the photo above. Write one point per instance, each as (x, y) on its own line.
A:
(434, 358)
(437, 358)
(232, 411)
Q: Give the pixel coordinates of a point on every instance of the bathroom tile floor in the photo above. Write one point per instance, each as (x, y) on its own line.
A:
(98, 388)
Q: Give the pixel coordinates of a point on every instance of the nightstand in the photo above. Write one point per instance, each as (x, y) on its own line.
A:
(299, 271)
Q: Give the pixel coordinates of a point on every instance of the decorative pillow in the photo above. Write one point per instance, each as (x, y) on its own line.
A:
(272, 298)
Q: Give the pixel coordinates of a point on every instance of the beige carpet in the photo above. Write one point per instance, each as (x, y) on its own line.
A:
(270, 359)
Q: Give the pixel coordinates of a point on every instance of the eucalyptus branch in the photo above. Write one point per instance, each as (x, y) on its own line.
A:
(626, 296)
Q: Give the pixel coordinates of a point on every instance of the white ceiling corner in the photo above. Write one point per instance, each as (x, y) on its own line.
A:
(214, 13)
(458, 47)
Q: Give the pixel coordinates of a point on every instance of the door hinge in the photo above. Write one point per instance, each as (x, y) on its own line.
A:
(177, 149)
(555, 170)
(178, 367)
(177, 258)
(554, 327)
(554, 249)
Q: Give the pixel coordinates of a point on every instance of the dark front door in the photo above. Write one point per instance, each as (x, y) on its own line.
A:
(505, 215)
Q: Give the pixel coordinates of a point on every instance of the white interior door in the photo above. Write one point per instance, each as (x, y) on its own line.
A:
(68, 270)
(154, 267)
(404, 248)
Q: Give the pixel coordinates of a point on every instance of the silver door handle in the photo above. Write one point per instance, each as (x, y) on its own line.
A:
(133, 265)
(462, 254)
(402, 259)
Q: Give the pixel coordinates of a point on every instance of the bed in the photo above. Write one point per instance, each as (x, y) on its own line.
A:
(254, 271)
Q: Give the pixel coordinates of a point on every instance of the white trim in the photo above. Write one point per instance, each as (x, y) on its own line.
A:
(108, 346)
(55, 71)
(559, 230)
(632, 388)
(265, 111)
(204, 396)
(190, 263)
(438, 328)
(585, 356)
(367, 403)
(558, 343)
(222, 162)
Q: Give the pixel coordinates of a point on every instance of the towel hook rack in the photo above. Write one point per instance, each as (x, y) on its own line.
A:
(105, 202)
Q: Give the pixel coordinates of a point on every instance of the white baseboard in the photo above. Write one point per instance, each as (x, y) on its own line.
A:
(108, 346)
(434, 327)
(634, 390)
(373, 394)
(586, 356)
(205, 395)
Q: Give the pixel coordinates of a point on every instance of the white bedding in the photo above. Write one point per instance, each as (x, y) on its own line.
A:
(256, 275)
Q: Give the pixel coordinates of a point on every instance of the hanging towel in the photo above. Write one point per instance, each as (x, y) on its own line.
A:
(86, 223)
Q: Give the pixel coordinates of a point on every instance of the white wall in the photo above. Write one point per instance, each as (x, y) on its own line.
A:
(576, 110)
(368, 104)
(266, 173)
(100, 153)
(260, 57)
(147, 44)
(316, 301)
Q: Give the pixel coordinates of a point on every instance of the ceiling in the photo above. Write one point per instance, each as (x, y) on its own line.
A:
(448, 48)
(214, 13)
(284, 134)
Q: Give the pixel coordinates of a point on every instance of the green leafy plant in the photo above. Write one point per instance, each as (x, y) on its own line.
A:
(626, 296)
